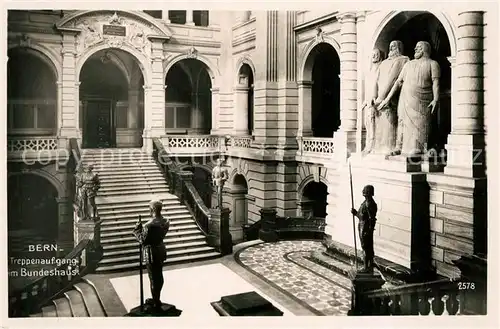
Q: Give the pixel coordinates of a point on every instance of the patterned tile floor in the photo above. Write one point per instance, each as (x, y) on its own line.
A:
(284, 265)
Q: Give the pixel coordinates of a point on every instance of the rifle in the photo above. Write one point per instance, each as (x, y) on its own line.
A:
(141, 284)
(353, 220)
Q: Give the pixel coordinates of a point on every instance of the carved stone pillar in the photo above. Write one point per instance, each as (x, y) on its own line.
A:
(215, 126)
(346, 136)
(305, 108)
(466, 142)
(240, 118)
(360, 19)
(69, 126)
(189, 17)
(133, 109)
(165, 17)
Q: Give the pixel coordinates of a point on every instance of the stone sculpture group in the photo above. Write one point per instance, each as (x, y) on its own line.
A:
(401, 96)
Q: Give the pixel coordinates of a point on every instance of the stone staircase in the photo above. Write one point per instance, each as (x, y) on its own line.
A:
(129, 180)
(93, 296)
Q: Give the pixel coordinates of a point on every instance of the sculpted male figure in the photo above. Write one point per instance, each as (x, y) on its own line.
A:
(367, 218)
(151, 237)
(386, 120)
(89, 184)
(219, 177)
(370, 95)
(419, 84)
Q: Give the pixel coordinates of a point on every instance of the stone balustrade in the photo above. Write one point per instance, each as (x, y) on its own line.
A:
(241, 141)
(16, 144)
(195, 144)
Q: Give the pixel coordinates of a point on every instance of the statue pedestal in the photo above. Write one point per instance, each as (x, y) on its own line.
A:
(219, 236)
(88, 229)
(363, 282)
(398, 163)
(150, 310)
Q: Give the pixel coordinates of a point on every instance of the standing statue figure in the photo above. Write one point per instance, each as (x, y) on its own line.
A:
(386, 119)
(220, 175)
(367, 218)
(151, 236)
(79, 201)
(419, 83)
(370, 95)
(90, 184)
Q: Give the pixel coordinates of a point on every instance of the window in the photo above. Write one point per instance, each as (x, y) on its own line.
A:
(177, 16)
(153, 13)
(177, 115)
(31, 116)
(200, 17)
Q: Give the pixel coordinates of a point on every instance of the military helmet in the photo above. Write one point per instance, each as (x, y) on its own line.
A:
(368, 190)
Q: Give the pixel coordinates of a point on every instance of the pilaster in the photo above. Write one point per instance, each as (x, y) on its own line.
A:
(466, 142)
(65, 224)
(305, 98)
(241, 110)
(69, 126)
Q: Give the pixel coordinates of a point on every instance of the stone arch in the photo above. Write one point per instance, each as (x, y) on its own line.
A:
(135, 14)
(56, 183)
(43, 53)
(242, 61)
(307, 180)
(138, 56)
(213, 70)
(307, 61)
(441, 17)
(121, 65)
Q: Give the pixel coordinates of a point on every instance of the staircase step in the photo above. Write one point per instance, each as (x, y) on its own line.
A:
(135, 186)
(130, 238)
(132, 183)
(172, 229)
(90, 299)
(152, 177)
(143, 209)
(136, 204)
(63, 308)
(78, 307)
(173, 214)
(170, 260)
(119, 226)
(186, 239)
(49, 311)
(133, 192)
(171, 248)
(129, 172)
(186, 252)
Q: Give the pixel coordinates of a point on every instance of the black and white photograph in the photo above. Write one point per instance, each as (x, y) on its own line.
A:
(247, 163)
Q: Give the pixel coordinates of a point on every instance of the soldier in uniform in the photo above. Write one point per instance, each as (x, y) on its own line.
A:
(367, 218)
(151, 237)
(89, 183)
(220, 175)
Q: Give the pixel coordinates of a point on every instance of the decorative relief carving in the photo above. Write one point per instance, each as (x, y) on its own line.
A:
(192, 52)
(319, 35)
(24, 41)
(107, 29)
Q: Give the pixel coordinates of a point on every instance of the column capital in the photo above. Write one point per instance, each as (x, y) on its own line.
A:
(361, 16)
(452, 60)
(214, 90)
(241, 88)
(347, 17)
(59, 83)
(78, 83)
(305, 83)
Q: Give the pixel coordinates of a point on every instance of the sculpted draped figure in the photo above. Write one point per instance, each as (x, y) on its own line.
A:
(368, 105)
(386, 114)
(419, 84)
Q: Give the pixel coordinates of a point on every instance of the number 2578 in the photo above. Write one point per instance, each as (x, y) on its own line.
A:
(466, 286)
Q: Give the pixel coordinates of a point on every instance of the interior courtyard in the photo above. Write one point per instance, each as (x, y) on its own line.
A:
(152, 99)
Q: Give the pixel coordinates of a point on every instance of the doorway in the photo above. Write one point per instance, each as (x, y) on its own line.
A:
(99, 123)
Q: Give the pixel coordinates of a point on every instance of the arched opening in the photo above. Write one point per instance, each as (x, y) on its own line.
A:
(31, 94)
(33, 214)
(203, 184)
(314, 200)
(410, 27)
(239, 191)
(188, 98)
(325, 96)
(111, 100)
(244, 121)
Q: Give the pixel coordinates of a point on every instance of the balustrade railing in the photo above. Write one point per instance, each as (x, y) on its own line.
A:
(16, 144)
(32, 296)
(191, 144)
(180, 184)
(439, 297)
(315, 145)
(241, 141)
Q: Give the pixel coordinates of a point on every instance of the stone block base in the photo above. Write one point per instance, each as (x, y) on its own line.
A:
(149, 310)
(245, 304)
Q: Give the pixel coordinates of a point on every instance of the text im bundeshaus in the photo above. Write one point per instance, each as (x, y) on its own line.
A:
(56, 267)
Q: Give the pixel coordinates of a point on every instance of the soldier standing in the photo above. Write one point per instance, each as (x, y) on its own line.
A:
(367, 218)
(151, 237)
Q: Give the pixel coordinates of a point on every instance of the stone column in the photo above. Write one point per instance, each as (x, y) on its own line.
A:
(346, 135)
(62, 142)
(189, 17)
(164, 16)
(360, 18)
(69, 127)
(65, 225)
(214, 129)
(466, 141)
(240, 121)
(154, 96)
(133, 109)
(305, 108)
